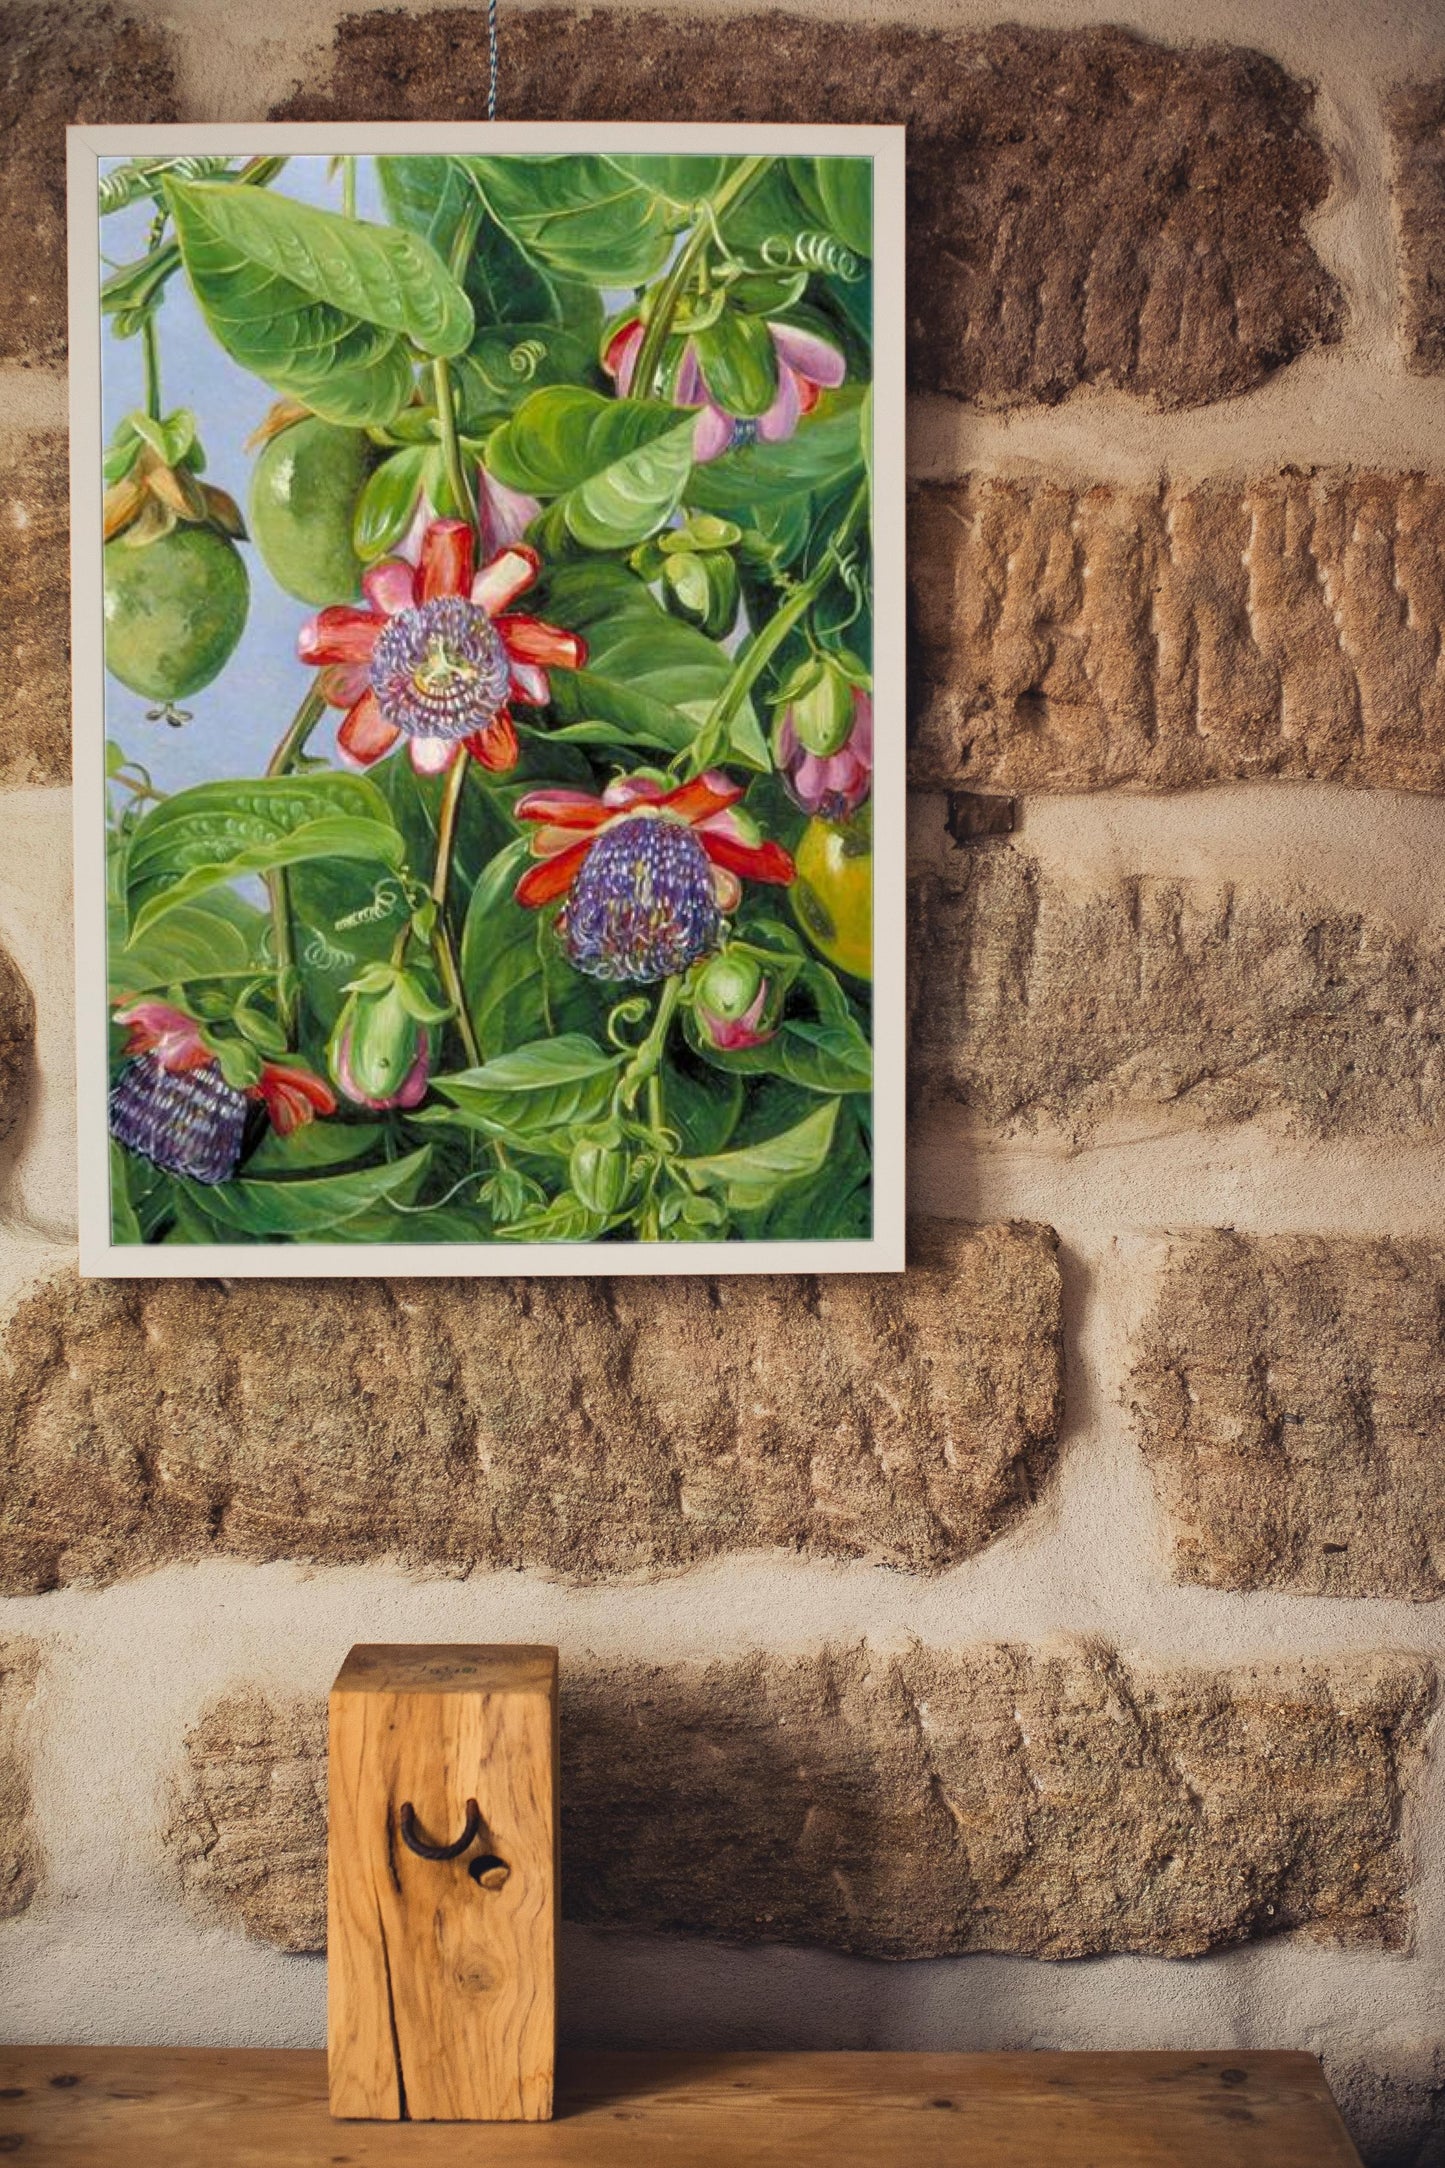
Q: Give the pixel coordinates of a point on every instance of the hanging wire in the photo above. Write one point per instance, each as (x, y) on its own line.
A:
(491, 59)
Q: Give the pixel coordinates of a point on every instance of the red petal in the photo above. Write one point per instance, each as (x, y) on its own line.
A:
(339, 633)
(702, 797)
(496, 746)
(447, 553)
(292, 1096)
(530, 639)
(562, 809)
(366, 734)
(755, 861)
(544, 883)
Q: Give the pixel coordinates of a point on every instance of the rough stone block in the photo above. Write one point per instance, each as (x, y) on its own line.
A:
(19, 1846)
(1416, 114)
(1290, 1397)
(1149, 1002)
(248, 1818)
(1075, 638)
(592, 1428)
(58, 66)
(35, 581)
(1085, 207)
(1050, 1802)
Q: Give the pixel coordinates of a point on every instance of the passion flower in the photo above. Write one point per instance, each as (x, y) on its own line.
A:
(647, 872)
(806, 364)
(187, 1121)
(171, 1103)
(831, 778)
(436, 658)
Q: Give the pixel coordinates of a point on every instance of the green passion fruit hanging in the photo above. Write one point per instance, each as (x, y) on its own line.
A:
(304, 489)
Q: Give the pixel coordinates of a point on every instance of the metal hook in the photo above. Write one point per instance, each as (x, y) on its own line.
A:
(423, 1850)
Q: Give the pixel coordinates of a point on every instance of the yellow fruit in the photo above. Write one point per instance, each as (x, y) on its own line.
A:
(833, 893)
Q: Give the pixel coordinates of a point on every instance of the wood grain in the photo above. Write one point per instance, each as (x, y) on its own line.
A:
(174, 2107)
(441, 1987)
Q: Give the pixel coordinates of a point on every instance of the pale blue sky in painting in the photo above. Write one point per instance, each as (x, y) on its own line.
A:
(238, 718)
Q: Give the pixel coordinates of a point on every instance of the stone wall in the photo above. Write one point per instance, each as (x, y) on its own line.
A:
(1076, 1595)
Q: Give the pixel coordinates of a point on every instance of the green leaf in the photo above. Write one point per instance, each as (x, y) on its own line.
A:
(616, 468)
(649, 678)
(548, 1084)
(268, 1210)
(505, 366)
(751, 1178)
(313, 1145)
(221, 938)
(583, 215)
(845, 188)
(438, 198)
(740, 363)
(124, 1226)
(518, 984)
(385, 507)
(824, 451)
(218, 832)
(322, 307)
(684, 178)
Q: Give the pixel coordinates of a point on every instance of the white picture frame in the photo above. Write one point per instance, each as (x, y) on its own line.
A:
(92, 151)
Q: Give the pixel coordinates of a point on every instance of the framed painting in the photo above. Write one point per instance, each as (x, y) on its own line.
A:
(489, 698)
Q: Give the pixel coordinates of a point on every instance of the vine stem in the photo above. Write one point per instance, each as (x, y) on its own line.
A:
(738, 184)
(278, 888)
(647, 1061)
(151, 356)
(711, 740)
(443, 947)
(451, 443)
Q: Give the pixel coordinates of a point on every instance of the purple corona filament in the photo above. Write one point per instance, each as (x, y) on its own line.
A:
(642, 906)
(440, 670)
(188, 1122)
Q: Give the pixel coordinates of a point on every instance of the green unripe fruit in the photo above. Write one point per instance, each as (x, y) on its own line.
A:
(174, 610)
(303, 499)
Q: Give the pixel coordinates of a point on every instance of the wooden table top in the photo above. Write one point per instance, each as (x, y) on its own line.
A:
(266, 2108)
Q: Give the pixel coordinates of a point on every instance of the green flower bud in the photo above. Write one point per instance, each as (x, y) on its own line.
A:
(822, 713)
(600, 1171)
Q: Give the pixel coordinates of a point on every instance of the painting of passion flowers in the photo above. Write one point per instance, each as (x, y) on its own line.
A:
(495, 711)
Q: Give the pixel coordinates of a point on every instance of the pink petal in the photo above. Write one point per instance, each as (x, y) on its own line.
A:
(783, 415)
(366, 734)
(861, 741)
(389, 586)
(727, 889)
(620, 359)
(530, 684)
(713, 433)
(505, 514)
(690, 390)
(505, 577)
(811, 356)
(431, 756)
(626, 790)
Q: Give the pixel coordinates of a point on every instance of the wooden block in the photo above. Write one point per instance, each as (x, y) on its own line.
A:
(441, 2001)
